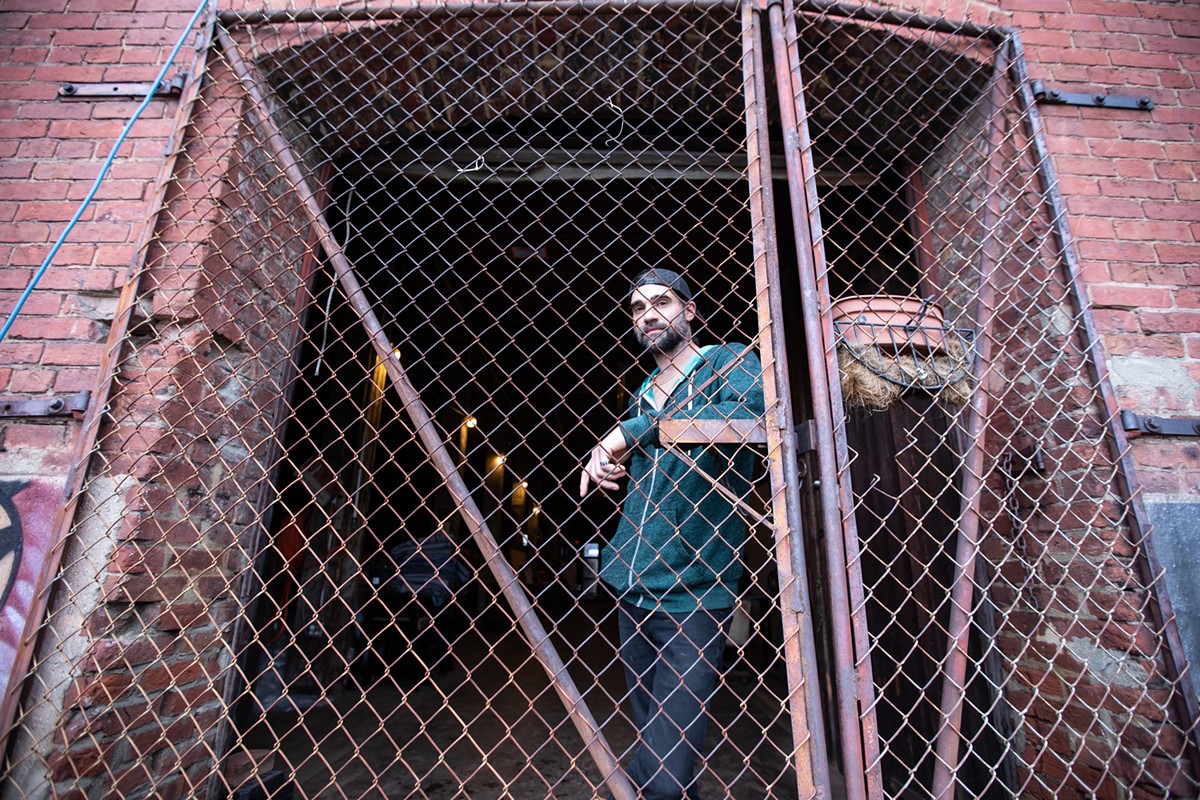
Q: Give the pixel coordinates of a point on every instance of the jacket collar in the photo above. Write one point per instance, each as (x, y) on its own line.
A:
(692, 365)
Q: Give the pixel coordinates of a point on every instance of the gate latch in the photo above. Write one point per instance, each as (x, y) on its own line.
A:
(806, 437)
(57, 406)
(135, 91)
(1057, 97)
(1181, 426)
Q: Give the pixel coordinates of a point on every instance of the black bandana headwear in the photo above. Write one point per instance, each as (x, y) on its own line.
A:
(659, 276)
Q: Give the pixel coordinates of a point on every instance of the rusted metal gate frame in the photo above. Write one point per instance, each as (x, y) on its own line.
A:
(830, 420)
(855, 687)
(110, 358)
(851, 669)
(799, 643)
(1150, 570)
(811, 760)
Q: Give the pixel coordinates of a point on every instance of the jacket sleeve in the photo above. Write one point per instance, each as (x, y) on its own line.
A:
(640, 429)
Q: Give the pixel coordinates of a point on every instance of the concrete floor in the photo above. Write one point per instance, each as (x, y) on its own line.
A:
(492, 726)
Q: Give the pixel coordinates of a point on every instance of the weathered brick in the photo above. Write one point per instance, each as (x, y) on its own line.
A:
(31, 381)
(1112, 296)
(1170, 321)
(48, 436)
(90, 691)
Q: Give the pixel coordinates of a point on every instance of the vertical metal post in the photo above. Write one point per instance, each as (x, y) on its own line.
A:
(852, 668)
(954, 667)
(808, 733)
(433, 441)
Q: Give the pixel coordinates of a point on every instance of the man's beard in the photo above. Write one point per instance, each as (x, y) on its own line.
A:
(667, 341)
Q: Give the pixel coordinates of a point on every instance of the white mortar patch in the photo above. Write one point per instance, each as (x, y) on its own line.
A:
(1149, 372)
(1110, 666)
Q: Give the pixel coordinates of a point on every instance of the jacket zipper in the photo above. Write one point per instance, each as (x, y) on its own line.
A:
(637, 545)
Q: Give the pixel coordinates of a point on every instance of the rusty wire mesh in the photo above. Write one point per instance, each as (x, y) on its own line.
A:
(271, 580)
(974, 414)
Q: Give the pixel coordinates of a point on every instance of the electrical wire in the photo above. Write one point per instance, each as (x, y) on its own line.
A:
(12, 317)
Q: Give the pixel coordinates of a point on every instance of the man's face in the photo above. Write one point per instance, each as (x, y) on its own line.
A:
(661, 321)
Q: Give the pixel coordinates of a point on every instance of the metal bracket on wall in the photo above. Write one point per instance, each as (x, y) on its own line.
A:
(1182, 426)
(132, 91)
(58, 406)
(1058, 97)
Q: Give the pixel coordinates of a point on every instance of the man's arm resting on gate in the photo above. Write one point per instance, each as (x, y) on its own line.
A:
(740, 397)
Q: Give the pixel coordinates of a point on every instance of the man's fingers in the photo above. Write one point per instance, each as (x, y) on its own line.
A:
(603, 476)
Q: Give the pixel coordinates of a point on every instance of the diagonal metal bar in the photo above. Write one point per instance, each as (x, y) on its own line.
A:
(954, 667)
(434, 444)
(852, 668)
(799, 642)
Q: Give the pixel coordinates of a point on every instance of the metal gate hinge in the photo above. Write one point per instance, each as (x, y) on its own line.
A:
(57, 406)
(1057, 97)
(1181, 426)
(133, 91)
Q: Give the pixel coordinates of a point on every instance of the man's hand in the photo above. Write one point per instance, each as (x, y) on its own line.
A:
(603, 466)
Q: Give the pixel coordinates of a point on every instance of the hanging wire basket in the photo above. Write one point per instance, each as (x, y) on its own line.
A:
(892, 344)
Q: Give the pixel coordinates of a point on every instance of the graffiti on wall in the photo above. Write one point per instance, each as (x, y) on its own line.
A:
(27, 510)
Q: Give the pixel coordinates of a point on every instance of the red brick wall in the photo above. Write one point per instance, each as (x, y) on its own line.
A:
(1130, 183)
(50, 152)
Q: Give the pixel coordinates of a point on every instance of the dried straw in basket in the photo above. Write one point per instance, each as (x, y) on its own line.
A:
(875, 378)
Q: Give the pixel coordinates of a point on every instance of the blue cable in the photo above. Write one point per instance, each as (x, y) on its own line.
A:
(103, 170)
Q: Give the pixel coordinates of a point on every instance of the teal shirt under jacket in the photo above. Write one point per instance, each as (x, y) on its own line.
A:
(679, 541)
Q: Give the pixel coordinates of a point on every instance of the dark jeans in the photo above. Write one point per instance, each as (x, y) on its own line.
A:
(672, 666)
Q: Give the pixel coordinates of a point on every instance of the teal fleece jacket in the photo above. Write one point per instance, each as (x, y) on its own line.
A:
(679, 541)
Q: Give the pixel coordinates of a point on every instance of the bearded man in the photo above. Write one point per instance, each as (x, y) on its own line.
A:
(674, 561)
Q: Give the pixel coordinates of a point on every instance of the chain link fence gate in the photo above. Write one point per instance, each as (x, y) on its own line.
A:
(329, 544)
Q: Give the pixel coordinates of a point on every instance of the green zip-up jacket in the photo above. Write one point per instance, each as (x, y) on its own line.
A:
(679, 541)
